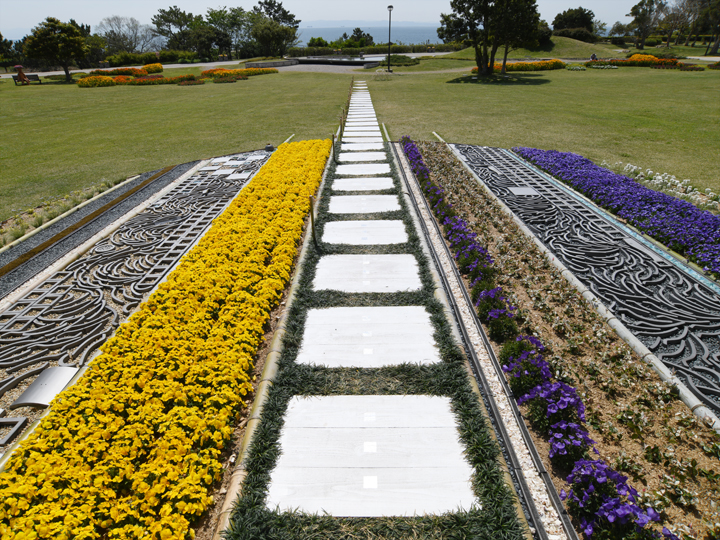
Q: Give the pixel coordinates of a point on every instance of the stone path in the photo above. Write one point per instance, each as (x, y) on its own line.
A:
(363, 456)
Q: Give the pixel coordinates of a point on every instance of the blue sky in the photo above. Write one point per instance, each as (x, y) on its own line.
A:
(18, 17)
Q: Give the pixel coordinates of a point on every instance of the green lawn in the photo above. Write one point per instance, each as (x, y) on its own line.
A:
(61, 138)
(665, 120)
(561, 47)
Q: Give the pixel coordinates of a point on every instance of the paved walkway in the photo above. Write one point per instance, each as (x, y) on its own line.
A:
(369, 455)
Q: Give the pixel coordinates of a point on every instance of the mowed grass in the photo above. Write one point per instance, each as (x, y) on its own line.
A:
(665, 120)
(61, 138)
(561, 47)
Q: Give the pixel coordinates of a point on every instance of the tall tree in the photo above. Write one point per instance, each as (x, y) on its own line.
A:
(126, 34)
(176, 25)
(235, 22)
(274, 10)
(488, 28)
(711, 16)
(574, 18)
(674, 20)
(646, 15)
(452, 28)
(599, 27)
(693, 11)
(7, 53)
(273, 38)
(57, 43)
(518, 27)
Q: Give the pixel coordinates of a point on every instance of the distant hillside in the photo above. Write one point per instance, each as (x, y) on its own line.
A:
(561, 47)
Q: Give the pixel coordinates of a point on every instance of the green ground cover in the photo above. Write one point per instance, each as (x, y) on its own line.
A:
(561, 47)
(61, 138)
(665, 120)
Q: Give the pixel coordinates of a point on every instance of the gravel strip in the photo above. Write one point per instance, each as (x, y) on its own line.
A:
(548, 514)
(24, 272)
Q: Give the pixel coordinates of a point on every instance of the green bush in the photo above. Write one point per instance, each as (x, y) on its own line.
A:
(400, 60)
(651, 42)
(618, 41)
(295, 52)
(166, 57)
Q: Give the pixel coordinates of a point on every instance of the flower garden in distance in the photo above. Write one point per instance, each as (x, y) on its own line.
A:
(143, 445)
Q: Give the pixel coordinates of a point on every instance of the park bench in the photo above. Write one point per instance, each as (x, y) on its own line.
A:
(31, 77)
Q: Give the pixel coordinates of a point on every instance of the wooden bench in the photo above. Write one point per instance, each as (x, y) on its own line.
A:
(31, 77)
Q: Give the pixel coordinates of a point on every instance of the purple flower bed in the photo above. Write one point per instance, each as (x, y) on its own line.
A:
(676, 223)
(599, 496)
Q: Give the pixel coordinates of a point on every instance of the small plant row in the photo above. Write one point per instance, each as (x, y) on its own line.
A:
(636, 60)
(240, 73)
(149, 69)
(681, 67)
(97, 81)
(599, 496)
(542, 65)
(676, 223)
(133, 449)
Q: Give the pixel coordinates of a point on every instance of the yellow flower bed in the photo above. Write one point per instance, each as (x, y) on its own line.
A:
(133, 449)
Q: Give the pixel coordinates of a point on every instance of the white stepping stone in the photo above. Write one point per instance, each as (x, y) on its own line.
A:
(368, 337)
(240, 176)
(363, 456)
(360, 134)
(362, 169)
(367, 273)
(362, 184)
(363, 140)
(361, 147)
(211, 168)
(361, 233)
(355, 123)
(363, 156)
(350, 129)
(363, 204)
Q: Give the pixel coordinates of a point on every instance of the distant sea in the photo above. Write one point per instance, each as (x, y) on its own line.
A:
(407, 35)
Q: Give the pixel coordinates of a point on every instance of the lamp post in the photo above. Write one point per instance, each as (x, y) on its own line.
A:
(390, 8)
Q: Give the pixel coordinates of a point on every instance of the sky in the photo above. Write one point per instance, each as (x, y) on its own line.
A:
(18, 17)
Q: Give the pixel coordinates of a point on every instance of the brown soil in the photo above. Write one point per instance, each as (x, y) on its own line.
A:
(641, 429)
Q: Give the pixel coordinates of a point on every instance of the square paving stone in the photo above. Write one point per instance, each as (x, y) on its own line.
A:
(361, 147)
(362, 184)
(363, 140)
(368, 337)
(367, 273)
(365, 233)
(362, 156)
(363, 204)
(362, 456)
(362, 169)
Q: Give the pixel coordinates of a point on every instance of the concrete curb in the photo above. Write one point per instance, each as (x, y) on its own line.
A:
(266, 381)
(695, 405)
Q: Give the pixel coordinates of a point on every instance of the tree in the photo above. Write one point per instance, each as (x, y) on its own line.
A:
(275, 11)
(176, 25)
(711, 16)
(518, 27)
(126, 34)
(693, 11)
(485, 21)
(574, 18)
(599, 27)
(273, 38)
(619, 29)
(646, 15)
(317, 42)
(57, 43)
(235, 22)
(8, 55)
(452, 29)
(674, 19)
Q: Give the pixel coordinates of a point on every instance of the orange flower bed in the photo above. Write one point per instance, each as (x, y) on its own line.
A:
(543, 65)
(250, 72)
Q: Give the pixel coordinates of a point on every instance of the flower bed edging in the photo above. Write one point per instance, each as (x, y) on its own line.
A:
(555, 404)
(132, 449)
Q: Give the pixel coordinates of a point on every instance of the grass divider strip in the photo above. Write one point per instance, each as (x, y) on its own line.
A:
(687, 397)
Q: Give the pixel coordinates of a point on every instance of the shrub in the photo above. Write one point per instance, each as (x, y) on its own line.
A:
(553, 402)
(569, 443)
(597, 497)
(501, 325)
(239, 73)
(400, 60)
(130, 72)
(153, 68)
(618, 41)
(95, 81)
(651, 42)
(523, 362)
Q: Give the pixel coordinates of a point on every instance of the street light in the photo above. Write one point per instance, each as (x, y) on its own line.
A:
(390, 8)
